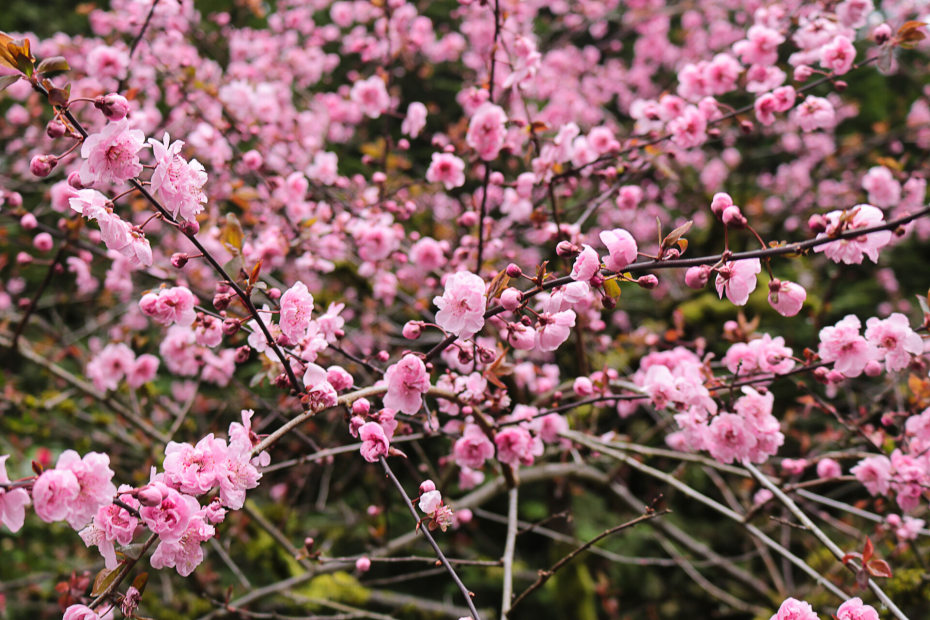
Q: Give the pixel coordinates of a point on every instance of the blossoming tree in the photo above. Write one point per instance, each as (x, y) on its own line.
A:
(299, 298)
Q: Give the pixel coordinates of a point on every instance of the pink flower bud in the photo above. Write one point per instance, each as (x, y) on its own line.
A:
(149, 495)
(817, 223)
(14, 199)
(189, 227)
(43, 242)
(583, 387)
(514, 270)
(28, 221)
(511, 299)
(231, 326)
(55, 129)
(23, 258)
(648, 281)
(252, 159)
(721, 201)
(873, 368)
(361, 407)
(42, 165)
(468, 219)
(802, 73)
(178, 260)
(882, 34)
(426, 486)
(74, 180)
(363, 565)
(412, 330)
(114, 107)
(733, 218)
(566, 249)
(242, 354)
(696, 277)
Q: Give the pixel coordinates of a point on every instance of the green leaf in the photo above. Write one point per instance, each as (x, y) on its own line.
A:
(53, 65)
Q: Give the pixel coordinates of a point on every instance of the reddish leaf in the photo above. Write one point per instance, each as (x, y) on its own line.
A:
(879, 568)
(867, 551)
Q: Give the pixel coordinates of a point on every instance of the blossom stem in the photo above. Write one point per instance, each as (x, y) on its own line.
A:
(432, 541)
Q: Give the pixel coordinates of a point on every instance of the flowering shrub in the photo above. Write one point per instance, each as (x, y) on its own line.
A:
(590, 267)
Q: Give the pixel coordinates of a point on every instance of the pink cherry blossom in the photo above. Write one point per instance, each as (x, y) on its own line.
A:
(786, 298)
(53, 493)
(587, 264)
(79, 612)
(487, 130)
(462, 304)
(738, 279)
(13, 502)
(896, 340)
(729, 439)
(553, 329)
(415, 120)
(515, 446)
(170, 305)
(838, 55)
(407, 382)
(169, 519)
(185, 553)
(95, 488)
(374, 441)
(111, 156)
(815, 113)
(296, 306)
(447, 169)
(884, 190)
(473, 448)
(843, 345)
(621, 248)
(851, 251)
(874, 473)
(855, 609)
(177, 182)
(371, 96)
(793, 609)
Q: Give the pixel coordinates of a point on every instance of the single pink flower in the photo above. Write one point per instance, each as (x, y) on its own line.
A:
(296, 306)
(487, 130)
(177, 182)
(447, 169)
(786, 297)
(621, 248)
(473, 448)
(111, 156)
(843, 345)
(587, 265)
(793, 609)
(374, 441)
(13, 502)
(738, 279)
(855, 609)
(170, 305)
(838, 55)
(462, 305)
(371, 96)
(407, 382)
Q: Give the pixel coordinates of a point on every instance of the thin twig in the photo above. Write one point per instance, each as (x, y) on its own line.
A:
(431, 540)
(509, 546)
(545, 575)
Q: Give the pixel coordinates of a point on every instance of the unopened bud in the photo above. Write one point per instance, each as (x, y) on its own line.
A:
(882, 34)
(231, 326)
(55, 129)
(114, 107)
(696, 277)
(361, 407)
(648, 281)
(74, 180)
(840, 85)
(242, 354)
(567, 249)
(149, 495)
(221, 301)
(733, 218)
(514, 271)
(189, 227)
(412, 330)
(42, 165)
(178, 260)
(746, 126)
(817, 223)
(282, 382)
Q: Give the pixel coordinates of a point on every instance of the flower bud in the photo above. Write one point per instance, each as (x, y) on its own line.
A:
(55, 129)
(252, 159)
(43, 242)
(42, 165)
(426, 486)
(189, 227)
(28, 221)
(511, 299)
(802, 73)
(721, 201)
(363, 565)
(412, 330)
(817, 223)
(221, 301)
(882, 34)
(873, 368)
(648, 281)
(242, 354)
(149, 495)
(733, 218)
(74, 180)
(567, 249)
(361, 407)
(114, 107)
(282, 382)
(468, 219)
(178, 260)
(514, 271)
(231, 326)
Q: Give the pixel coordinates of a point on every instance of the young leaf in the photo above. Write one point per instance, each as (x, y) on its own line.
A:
(53, 65)
(8, 80)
